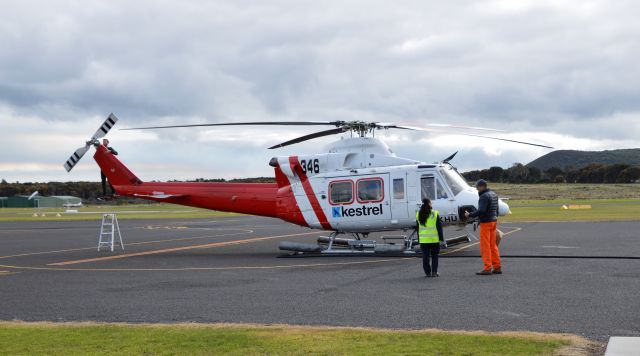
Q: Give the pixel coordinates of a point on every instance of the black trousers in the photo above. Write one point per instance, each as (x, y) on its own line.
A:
(104, 184)
(430, 250)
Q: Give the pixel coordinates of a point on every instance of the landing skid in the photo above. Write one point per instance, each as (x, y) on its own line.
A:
(359, 245)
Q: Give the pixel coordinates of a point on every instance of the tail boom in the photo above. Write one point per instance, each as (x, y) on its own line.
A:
(246, 198)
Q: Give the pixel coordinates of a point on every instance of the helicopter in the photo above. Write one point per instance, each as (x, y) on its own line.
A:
(356, 186)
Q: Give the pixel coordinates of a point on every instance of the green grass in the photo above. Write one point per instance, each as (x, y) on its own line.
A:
(94, 212)
(185, 339)
(551, 210)
(542, 202)
(567, 191)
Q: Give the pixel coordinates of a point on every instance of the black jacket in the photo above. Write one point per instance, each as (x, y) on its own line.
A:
(487, 207)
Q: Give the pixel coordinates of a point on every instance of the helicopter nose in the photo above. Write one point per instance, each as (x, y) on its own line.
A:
(503, 208)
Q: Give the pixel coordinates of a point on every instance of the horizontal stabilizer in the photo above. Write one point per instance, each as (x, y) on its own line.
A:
(159, 195)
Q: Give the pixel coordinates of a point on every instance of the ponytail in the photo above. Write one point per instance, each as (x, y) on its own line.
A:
(425, 211)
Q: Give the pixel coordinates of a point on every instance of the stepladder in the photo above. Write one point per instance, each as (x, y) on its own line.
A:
(108, 231)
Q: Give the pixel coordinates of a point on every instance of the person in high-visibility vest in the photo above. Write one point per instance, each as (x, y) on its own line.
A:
(429, 236)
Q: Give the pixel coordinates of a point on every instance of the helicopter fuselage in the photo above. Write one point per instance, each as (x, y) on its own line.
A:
(358, 186)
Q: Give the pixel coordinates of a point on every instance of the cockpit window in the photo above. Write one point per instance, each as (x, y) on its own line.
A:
(454, 180)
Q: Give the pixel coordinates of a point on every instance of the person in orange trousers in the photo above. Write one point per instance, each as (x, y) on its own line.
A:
(487, 215)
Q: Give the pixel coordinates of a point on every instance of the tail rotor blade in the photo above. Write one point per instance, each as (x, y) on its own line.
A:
(75, 158)
(105, 127)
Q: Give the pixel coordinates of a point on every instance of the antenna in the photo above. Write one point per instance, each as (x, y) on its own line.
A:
(446, 160)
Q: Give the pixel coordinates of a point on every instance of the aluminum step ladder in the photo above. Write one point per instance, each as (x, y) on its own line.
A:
(108, 232)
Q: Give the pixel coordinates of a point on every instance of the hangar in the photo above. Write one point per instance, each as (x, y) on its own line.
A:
(55, 201)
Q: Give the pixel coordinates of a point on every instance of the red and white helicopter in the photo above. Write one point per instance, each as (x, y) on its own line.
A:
(355, 187)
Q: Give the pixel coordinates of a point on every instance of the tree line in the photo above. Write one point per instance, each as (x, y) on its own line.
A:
(89, 191)
(592, 173)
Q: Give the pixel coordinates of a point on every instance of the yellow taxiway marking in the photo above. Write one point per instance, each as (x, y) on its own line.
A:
(210, 268)
(184, 248)
(242, 231)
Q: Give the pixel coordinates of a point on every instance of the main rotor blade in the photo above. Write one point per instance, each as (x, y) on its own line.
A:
(253, 123)
(311, 137)
(472, 135)
(105, 127)
(465, 127)
(395, 126)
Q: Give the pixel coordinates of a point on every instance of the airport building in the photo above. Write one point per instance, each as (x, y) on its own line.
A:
(56, 201)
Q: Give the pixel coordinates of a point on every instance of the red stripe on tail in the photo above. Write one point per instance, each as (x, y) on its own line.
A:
(308, 189)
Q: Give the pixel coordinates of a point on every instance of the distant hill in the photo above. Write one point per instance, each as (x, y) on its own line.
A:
(579, 159)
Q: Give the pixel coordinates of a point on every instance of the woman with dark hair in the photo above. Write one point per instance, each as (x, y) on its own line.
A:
(429, 237)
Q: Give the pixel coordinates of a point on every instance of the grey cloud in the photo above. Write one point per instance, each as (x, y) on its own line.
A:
(563, 67)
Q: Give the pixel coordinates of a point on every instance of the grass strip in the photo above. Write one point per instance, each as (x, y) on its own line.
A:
(601, 210)
(18, 338)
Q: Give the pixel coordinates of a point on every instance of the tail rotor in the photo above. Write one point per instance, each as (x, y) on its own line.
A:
(100, 133)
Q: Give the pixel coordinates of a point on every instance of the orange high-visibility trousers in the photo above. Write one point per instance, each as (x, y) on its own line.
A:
(488, 246)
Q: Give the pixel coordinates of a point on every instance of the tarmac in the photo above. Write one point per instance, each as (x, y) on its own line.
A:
(581, 278)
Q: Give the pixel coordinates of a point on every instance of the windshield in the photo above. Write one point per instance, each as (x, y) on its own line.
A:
(454, 180)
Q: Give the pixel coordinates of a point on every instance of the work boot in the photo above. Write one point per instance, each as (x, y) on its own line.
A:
(497, 270)
(484, 272)
(435, 274)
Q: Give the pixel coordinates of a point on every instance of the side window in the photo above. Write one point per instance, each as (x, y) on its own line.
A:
(341, 192)
(441, 192)
(370, 190)
(398, 188)
(428, 188)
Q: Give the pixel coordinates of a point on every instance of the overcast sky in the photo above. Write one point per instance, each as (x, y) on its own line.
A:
(562, 73)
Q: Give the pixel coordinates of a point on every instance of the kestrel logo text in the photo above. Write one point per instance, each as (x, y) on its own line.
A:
(341, 211)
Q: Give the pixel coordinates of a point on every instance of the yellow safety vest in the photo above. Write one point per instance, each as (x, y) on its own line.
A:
(428, 233)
